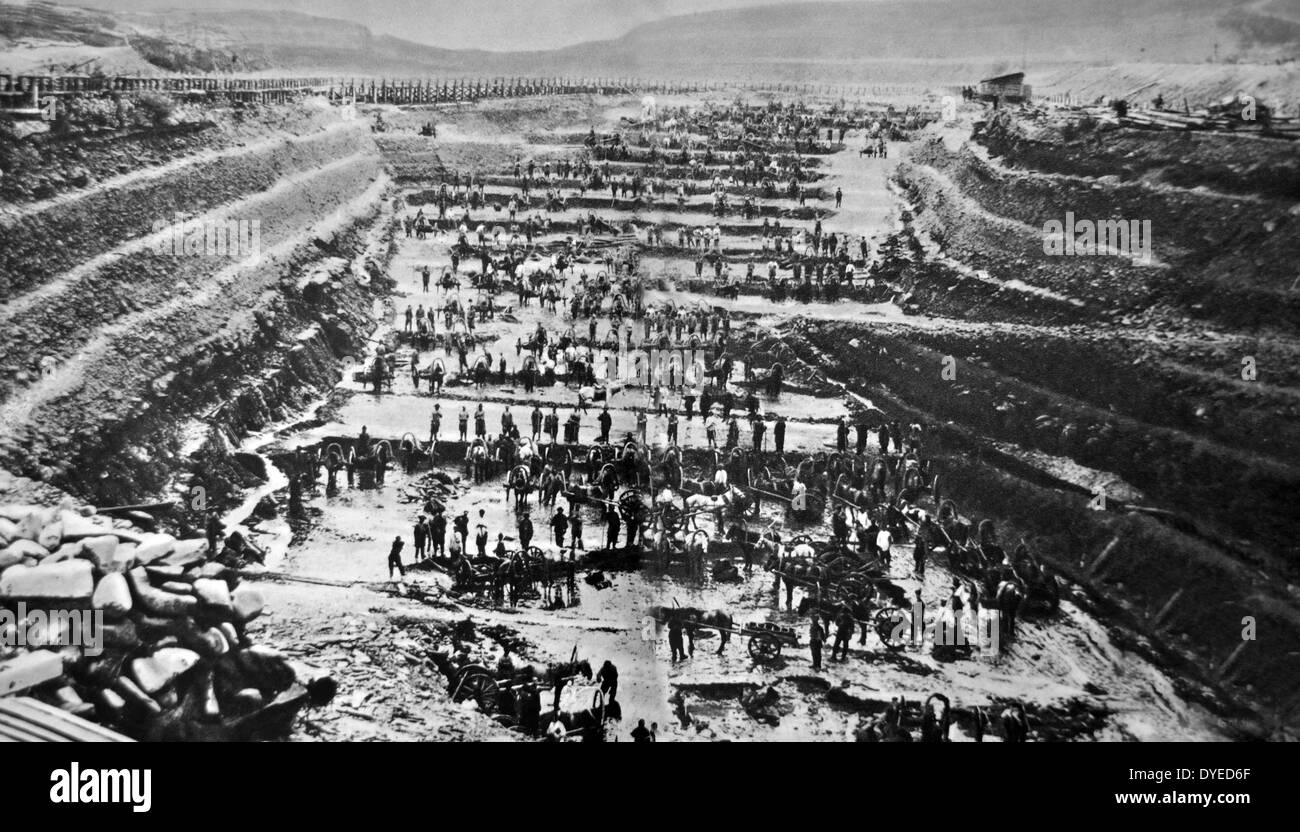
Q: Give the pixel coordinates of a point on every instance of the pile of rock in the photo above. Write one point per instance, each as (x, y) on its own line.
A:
(139, 631)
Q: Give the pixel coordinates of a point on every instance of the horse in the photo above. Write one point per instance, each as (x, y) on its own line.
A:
(521, 483)
(691, 617)
(551, 486)
(794, 570)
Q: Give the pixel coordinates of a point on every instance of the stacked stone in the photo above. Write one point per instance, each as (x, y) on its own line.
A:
(171, 658)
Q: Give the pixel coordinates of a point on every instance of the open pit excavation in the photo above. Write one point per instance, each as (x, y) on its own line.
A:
(601, 409)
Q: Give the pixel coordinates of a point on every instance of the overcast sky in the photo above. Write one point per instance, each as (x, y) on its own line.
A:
(470, 24)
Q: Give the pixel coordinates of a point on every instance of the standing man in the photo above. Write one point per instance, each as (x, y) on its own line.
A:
(815, 638)
(605, 420)
(839, 197)
(481, 535)
(395, 558)
(611, 526)
(435, 424)
(537, 422)
(672, 427)
(462, 421)
(678, 647)
(575, 532)
(525, 530)
(842, 434)
(778, 434)
(759, 428)
(421, 534)
(460, 529)
(438, 535)
(608, 679)
(558, 524)
(844, 625)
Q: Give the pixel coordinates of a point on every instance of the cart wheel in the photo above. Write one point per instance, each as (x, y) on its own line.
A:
(764, 648)
(477, 684)
(887, 622)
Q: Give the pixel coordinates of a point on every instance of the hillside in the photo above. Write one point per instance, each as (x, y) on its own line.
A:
(905, 41)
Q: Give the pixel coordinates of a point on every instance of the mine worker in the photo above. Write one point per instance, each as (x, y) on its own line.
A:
(552, 424)
(558, 524)
(611, 527)
(409, 318)
(641, 425)
(608, 679)
(672, 427)
(919, 554)
(525, 530)
(688, 401)
(760, 427)
(839, 197)
(675, 639)
(842, 434)
(214, 531)
(507, 421)
(481, 535)
(537, 422)
(733, 433)
(896, 432)
(424, 277)
(462, 420)
(460, 529)
(395, 558)
(641, 733)
(421, 534)
(778, 435)
(500, 549)
(815, 638)
(862, 431)
(884, 540)
(435, 424)
(437, 535)
(844, 626)
(884, 438)
(480, 421)
(604, 419)
(840, 525)
(575, 533)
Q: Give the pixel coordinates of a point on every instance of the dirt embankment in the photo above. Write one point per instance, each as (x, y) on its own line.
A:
(121, 352)
(1220, 258)
(1175, 375)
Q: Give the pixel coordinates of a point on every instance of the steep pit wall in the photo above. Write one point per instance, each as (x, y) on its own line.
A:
(1221, 258)
(1241, 493)
(133, 343)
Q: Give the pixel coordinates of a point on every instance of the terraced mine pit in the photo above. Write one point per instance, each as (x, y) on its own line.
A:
(1094, 412)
